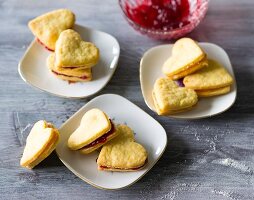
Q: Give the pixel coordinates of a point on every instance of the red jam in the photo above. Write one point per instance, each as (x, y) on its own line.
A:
(134, 168)
(160, 14)
(103, 138)
(44, 45)
(82, 77)
(70, 82)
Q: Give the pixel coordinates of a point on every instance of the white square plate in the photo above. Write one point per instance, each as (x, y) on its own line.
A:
(148, 132)
(151, 69)
(34, 71)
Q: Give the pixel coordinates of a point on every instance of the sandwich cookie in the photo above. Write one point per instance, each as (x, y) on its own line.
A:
(169, 98)
(95, 130)
(122, 153)
(72, 51)
(48, 27)
(210, 81)
(69, 74)
(187, 57)
(41, 141)
(213, 92)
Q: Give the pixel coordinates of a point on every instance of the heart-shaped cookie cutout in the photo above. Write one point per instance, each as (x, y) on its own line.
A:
(48, 27)
(122, 153)
(72, 51)
(212, 77)
(170, 98)
(186, 56)
(40, 142)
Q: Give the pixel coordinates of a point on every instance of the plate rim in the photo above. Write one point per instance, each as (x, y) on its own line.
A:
(175, 116)
(142, 175)
(59, 95)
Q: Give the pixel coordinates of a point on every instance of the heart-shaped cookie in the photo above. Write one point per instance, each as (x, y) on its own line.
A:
(48, 27)
(40, 143)
(170, 98)
(122, 153)
(72, 51)
(70, 74)
(187, 57)
(95, 129)
(212, 77)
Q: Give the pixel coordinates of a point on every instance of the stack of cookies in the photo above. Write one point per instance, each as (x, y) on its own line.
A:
(73, 58)
(201, 77)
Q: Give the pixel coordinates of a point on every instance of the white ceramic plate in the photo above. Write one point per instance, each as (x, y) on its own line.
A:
(33, 69)
(148, 132)
(150, 69)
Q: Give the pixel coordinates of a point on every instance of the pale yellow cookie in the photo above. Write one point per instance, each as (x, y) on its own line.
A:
(48, 27)
(186, 54)
(169, 98)
(196, 67)
(72, 51)
(69, 74)
(94, 125)
(122, 153)
(49, 149)
(211, 77)
(40, 143)
(213, 92)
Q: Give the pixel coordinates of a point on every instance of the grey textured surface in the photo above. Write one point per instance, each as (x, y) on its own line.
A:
(205, 159)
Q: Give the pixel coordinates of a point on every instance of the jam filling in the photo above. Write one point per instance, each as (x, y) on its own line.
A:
(81, 77)
(159, 14)
(180, 82)
(44, 45)
(134, 168)
(73, 67)
(101, 139)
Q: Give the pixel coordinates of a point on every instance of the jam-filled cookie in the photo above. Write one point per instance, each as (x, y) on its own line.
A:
(210, 81)
(48, 27)
(74, 74)
(169, 98)
(187, 57)
(122, 153)
(41, 141)
(95, 129)
(73, 51)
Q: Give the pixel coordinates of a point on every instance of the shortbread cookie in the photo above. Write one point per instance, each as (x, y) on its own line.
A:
(72, 51)
(187, 57)
(40, 143)
(169, 98)
(48, 27)
(212, 77)
(69, 74)
(95, 129)
(122, 153)
(213, 92)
